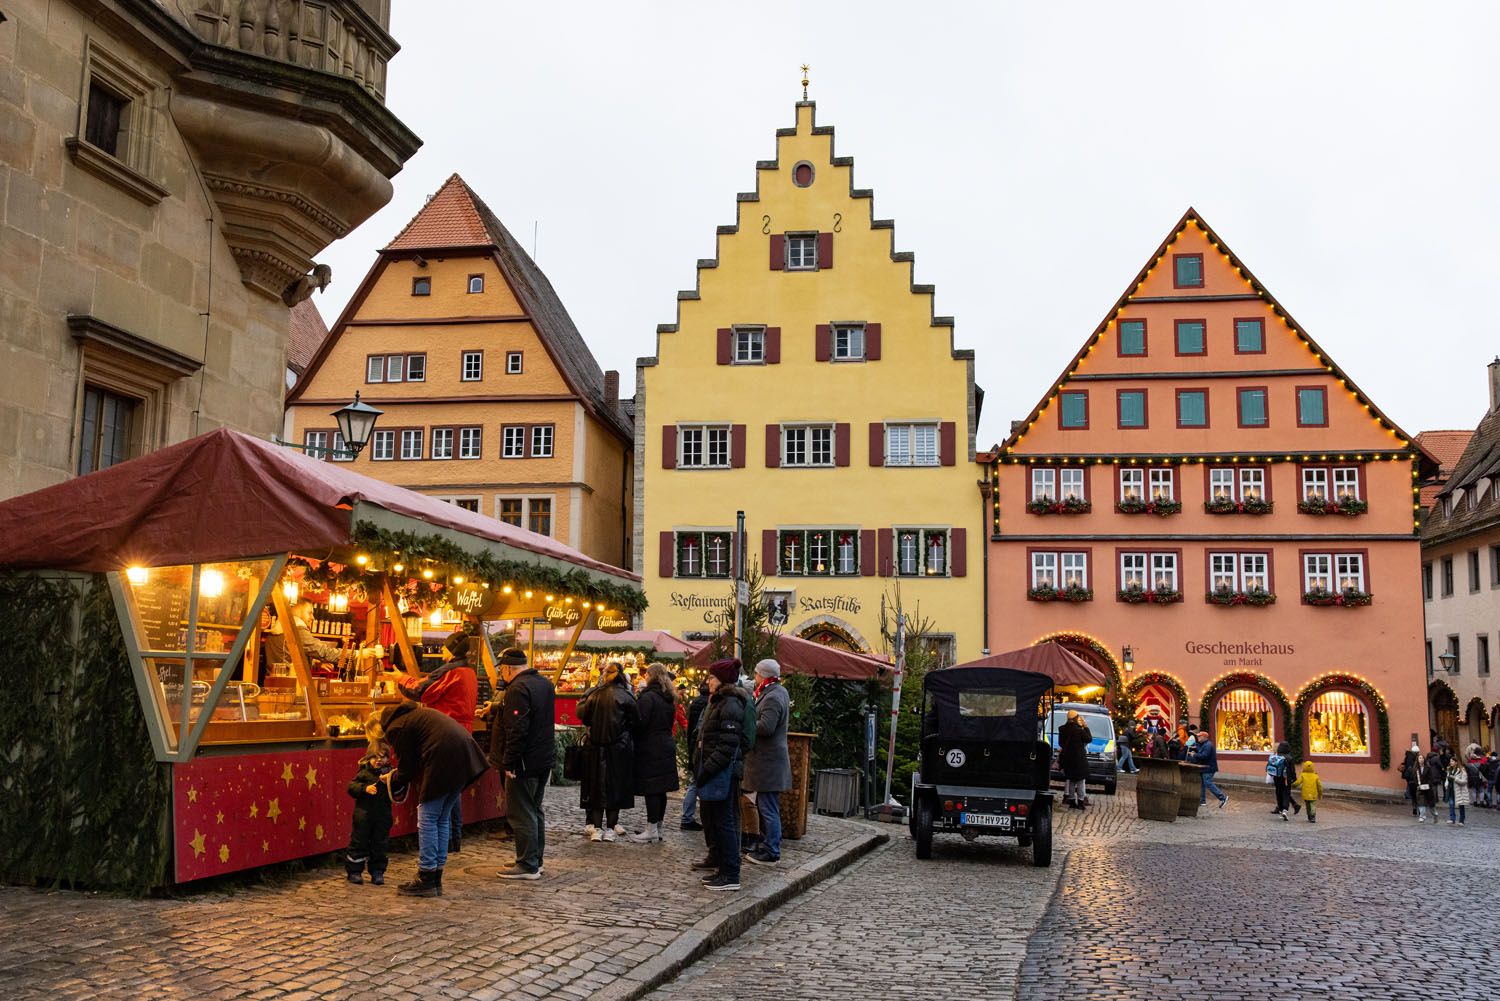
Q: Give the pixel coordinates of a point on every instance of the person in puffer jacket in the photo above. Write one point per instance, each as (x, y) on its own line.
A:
(722, 744)
(370, 833)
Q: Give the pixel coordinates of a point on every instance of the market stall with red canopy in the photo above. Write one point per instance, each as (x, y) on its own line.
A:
(800, 656)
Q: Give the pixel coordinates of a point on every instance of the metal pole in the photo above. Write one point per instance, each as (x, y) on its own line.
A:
(890, 752)
(739, 587)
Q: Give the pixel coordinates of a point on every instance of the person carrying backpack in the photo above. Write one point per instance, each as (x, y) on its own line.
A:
(1279, 774)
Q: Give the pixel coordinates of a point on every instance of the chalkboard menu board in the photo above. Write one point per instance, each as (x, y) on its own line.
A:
(161, 608)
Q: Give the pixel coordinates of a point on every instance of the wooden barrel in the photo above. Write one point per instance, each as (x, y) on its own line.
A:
(1191, 789)
(1158, 789)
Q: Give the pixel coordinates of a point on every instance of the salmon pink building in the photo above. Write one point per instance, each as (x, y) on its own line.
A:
(1206, 506)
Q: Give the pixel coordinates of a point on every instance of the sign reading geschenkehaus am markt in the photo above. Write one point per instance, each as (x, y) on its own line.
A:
(808, 383)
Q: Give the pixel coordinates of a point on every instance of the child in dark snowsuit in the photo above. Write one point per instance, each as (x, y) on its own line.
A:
(370, 835)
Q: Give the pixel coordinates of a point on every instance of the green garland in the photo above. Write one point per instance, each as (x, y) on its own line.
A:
(1179, 694)
(1239, 679)
(1321, 684)
(386, 547)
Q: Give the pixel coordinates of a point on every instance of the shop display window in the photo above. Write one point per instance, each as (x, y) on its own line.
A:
(1245, 722)
(1338, 723)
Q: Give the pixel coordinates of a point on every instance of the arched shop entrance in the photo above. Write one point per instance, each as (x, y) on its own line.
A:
(832, 633)
(1095, 654)
(1443, 706)
(1159, 697)
(1479, 723)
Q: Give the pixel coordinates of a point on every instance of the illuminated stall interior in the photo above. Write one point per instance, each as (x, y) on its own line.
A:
(1245, 721)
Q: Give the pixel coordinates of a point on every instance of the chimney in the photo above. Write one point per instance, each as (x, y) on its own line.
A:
(612, 386)
(1495, 384)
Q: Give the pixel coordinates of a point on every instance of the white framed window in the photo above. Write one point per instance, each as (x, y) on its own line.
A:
(1315, 483)
(1255, 572)
(807, 445)
(908, 554)
(513, 441)
(411, 443)
(1242, 483)
(1223, 572)
(1074, 569)
(1252, 484)
(476, 284)
(750, 346)
(801, 251)
(1163, 571)
(1349, 571)
(541, 441)
(911, 444)
(341, 451)
(922, 552)
(1070, 484)
(1132, 483)
(315, 441)
(1221, 483)
(1043, 484)
(703, 446)
(1346, 483)
(1044, 570)
(1317, 572)
(416, 368)
(717, 554)
(473, 366)
(513, 361)
(849, 342)
(375, 368)
(1133, 571)
(442, 443)
(846, 552)
(817, 552)
(1163, 484)
(395, 367)
(383, 446)
(469, 442)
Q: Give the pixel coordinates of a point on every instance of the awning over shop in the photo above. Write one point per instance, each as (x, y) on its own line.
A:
(800, 656)
(1053, 659)
(1337, 702)
(226, 496)
(1244, 700)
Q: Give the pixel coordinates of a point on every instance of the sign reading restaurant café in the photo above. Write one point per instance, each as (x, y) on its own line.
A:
(1248, 654)
(716, 607)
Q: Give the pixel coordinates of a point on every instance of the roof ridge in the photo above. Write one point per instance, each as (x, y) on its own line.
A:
(441, 222)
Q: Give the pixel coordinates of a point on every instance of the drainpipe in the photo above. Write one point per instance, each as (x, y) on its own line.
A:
(984, 540)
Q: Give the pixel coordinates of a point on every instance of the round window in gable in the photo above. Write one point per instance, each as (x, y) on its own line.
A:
(802, 174)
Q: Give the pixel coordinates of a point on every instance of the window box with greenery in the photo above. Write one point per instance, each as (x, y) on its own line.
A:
(1257, 597)
(1349, 597)
(1345, 504)
(1070, 592)
(1136, 595)
(1228, 505)
(1069, 505)
(1139, 505)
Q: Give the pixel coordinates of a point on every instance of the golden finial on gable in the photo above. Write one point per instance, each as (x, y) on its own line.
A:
(805, 68)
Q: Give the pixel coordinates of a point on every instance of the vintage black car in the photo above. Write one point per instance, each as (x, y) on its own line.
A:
(985, 759)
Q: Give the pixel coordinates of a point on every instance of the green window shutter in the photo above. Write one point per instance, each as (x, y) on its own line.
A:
(1132, 337)
(1192, 408)
(1075, 409)
(1190, 337)
(1253, 407)
(1311, 409)
(1133, 409)
(1249, 336)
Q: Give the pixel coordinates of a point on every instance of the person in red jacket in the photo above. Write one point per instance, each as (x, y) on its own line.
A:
(452, 688)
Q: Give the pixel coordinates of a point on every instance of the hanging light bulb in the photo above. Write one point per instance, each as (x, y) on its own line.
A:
(506, 589)
(290, 590)
(137, 575)
(398, 568)
(437, 617)
(427, 573)
(211, 583)
(338, 603)
(458, 578)
(362, 559)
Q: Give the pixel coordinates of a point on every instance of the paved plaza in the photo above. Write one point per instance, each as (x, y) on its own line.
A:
(1233, 904)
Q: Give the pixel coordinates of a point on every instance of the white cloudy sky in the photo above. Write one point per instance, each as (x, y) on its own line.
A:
(1032, 156)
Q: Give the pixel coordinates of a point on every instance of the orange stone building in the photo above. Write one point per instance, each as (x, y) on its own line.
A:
(1205, 489)
(491, 398)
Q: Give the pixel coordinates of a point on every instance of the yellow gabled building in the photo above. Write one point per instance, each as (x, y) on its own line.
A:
(491, 398)
(808, 383)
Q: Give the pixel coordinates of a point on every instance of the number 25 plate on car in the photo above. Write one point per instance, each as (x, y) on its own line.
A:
(985, 819)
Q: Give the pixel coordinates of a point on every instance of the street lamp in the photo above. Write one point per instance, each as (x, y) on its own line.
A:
(1449, 660)
(1127, 659)
(356, 422)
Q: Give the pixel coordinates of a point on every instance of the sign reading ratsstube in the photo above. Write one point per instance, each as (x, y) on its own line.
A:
(1247, 653)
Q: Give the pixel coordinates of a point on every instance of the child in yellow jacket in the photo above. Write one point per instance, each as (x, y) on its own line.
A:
(1312, 789)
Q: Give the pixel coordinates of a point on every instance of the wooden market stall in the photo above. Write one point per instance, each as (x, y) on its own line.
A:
(574, 671)
(210, 546)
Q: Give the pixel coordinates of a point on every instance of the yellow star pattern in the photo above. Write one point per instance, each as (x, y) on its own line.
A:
(301, 823)
(197, 843)
(254, 811)
(286, 774)
(318, 832)
(265, 846)
(223, 853)
(220, 818)
(192, 794)
(499, 800)
(273, 810)
(311, 776)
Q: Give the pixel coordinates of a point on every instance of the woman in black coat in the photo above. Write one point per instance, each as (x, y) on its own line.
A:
(655, 750)
(608, 713)
(1073, 758)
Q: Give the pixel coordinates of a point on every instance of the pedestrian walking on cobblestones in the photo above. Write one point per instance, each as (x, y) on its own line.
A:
(438, 759)
(1411, 771)
(1490, 769)
(370, 828)
(1279, 771)
(1206, 756)
(722, 745)
(1312, 790)
(611, 718)
(694, 721)
(768, 765)
(655, 750)
(525, 751)
(1456, 790)
(1073, 759)
(1430, 781)
(1125, 759)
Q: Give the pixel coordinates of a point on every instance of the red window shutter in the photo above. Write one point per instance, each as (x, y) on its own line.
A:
(726, 346)
(773, 445)
(885, 550)
(668, 563)
(867, 553)
(872, 342)
(823, 342)
(958, 556)
(734, 545)
(768, 552)
(825, 251)
(773, 345)
(669, 446)
(947, 446)
(841, 444)
(877, 444)
(778, 252)
(737, 446)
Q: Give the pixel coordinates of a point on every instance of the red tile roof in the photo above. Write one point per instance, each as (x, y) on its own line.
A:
(449, 219)
(307, 332)
(1447, 447)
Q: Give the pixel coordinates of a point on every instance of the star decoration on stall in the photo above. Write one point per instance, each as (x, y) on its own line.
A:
(265, 846)
(301, 823)
(223, 853)
(318, 832)
(219, 818)
(311, 776)
(254, 811)
(286, 774)
(192, 794)
(198, 843)
(273, 810)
